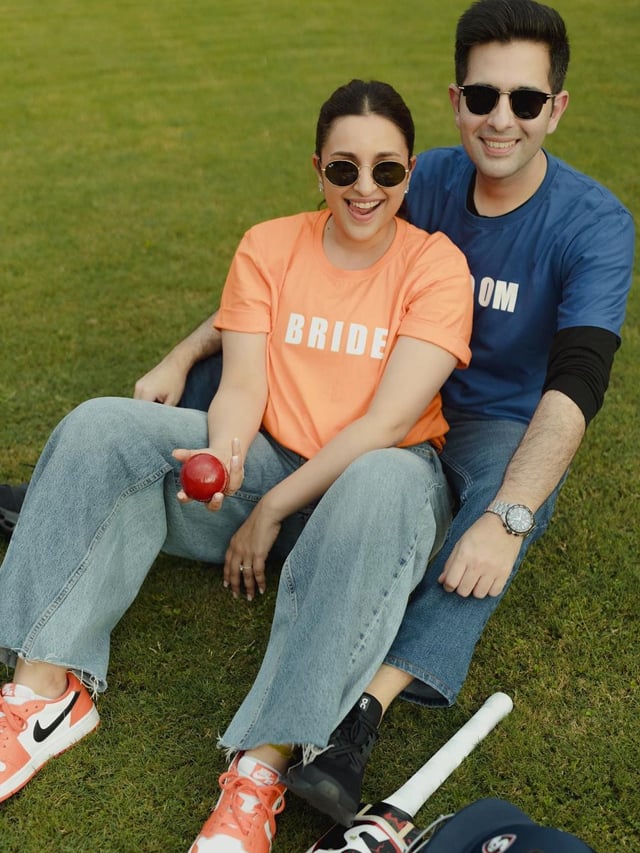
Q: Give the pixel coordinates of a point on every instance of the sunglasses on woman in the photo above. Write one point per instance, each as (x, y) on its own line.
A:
(343, 173)
(525, 103)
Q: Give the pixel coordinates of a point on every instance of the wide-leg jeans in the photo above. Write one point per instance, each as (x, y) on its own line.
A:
(440, 630)
(102, 504)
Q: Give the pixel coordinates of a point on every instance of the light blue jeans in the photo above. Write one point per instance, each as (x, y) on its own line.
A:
(102, 504)
(440, 630)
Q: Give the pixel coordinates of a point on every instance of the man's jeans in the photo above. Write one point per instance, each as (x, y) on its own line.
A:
(102, 504)
(440, 630)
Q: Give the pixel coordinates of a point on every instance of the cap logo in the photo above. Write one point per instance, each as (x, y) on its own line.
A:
(499, 843)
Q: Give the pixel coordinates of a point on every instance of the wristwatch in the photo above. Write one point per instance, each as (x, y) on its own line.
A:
(517, 518)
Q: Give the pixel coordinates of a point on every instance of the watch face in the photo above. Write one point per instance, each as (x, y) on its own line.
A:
(519, 518)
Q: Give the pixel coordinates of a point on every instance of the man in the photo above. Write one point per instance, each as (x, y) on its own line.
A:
(551, 254)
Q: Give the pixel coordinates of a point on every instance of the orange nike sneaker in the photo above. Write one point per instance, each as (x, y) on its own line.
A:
(34, 729)
(244, 818)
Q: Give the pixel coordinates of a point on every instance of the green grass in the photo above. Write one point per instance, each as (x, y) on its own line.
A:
(139, 141)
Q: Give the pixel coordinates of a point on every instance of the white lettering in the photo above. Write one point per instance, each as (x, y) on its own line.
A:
(356, 339)
(505, 296)
(317, 333)
(337, 336)
(486, 291)
(379, 342)
(294, 329)
(499, 295)
(352, 339)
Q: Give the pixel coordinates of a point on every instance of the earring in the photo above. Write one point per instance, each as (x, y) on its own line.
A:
(320, 186)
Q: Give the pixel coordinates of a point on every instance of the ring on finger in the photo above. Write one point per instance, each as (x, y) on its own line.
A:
(243, 567)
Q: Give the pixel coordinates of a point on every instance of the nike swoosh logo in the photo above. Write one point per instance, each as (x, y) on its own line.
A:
(40, 734)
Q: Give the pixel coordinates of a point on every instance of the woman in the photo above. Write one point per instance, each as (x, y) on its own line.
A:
(347, 264)
(339, 327)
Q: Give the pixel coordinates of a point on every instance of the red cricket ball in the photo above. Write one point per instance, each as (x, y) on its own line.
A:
(202, 476)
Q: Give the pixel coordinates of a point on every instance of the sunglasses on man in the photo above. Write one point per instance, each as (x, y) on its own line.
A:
(525, 103)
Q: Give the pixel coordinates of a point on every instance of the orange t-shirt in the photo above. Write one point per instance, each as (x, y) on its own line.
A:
(331, 331)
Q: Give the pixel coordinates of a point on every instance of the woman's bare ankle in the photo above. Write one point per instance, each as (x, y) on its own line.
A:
(45, 679)
(274, 756)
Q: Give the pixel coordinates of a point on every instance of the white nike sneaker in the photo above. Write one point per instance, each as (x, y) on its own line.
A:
(34, 729)
(244, 818)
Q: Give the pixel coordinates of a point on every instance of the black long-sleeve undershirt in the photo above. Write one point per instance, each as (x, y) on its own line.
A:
(579, 366)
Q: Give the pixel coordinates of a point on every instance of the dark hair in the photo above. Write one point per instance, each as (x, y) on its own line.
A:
(360, 98)
(510, 20)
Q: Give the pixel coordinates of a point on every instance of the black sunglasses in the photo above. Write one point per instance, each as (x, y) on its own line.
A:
(525, 103)
(343, 173)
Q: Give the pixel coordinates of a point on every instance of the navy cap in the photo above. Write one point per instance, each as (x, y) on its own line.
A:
(497, 826)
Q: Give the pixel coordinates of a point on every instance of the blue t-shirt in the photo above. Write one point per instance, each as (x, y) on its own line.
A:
(562, 259)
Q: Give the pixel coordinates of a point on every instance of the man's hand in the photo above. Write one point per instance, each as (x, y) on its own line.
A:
(164, 383)
(482, 559)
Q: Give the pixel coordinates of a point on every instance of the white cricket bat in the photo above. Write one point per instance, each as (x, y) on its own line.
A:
(387, 826)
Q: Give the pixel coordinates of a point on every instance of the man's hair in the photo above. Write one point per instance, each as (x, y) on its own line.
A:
(512, 20)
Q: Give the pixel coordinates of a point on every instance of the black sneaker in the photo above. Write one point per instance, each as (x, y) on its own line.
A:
(332, 782)
(11, 500)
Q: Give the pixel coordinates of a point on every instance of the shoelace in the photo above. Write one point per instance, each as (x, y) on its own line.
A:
(236, 785)
(9, 719)
(350, 739)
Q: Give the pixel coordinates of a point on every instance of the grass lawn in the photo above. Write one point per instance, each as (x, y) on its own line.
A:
(139, 141)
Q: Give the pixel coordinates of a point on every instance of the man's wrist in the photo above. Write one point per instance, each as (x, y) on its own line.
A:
(181, 357)
(517, 519)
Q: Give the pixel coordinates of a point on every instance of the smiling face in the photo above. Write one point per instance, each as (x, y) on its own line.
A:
(504, 148)
(363, 213)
